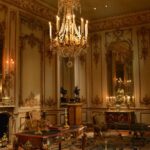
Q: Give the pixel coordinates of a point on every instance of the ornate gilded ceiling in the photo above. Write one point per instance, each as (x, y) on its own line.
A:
(119, 13)
(98, 9)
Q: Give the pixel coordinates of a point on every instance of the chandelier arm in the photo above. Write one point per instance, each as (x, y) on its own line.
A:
(70, 40)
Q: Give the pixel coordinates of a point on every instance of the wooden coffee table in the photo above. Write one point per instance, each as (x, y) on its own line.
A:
(34, 140)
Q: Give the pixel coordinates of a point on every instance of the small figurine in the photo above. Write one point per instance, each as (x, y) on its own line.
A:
(63, 91)
(77, 93)
(63, 95)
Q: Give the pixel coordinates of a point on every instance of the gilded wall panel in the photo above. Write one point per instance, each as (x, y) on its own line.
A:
(31, 74)
(82, 78)
(119, 59)
(12, 51)
(143, 35)
(50, 78)
(31, 44)
(96, 48)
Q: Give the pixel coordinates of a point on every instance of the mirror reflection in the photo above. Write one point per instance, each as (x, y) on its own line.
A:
(120, 74)
(67, 77)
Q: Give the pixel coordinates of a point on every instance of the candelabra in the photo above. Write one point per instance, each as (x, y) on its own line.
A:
(120, 100)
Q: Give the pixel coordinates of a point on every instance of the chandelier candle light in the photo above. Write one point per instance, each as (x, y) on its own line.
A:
(70, 40)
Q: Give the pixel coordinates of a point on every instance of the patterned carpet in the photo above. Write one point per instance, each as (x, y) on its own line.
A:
(112, 140)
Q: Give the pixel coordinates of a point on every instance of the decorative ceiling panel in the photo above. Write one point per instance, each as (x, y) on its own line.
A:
(98, 9)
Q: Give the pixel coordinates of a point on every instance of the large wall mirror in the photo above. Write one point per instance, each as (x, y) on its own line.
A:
(67, 76)
(120, 73)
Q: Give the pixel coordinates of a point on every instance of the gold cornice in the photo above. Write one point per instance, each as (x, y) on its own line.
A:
(121, 21)
(34, 7)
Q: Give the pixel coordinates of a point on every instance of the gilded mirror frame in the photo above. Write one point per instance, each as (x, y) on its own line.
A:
(67, 76)
(119, 58)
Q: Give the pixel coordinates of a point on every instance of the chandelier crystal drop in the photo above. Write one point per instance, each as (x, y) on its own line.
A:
(70, 40)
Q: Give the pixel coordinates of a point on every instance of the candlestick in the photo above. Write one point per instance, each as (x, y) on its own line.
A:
(82, 25)
(86, 29)
(79, 29)
(57, 23)
(50, 30)
(107, 98)
(73, 19)
(66, 119)
(128, 99)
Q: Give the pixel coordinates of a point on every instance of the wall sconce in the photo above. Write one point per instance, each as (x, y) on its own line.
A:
(10, 66)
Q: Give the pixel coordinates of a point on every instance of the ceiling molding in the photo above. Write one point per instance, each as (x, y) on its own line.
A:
(34, 7)
(120, 21)
(48, 12)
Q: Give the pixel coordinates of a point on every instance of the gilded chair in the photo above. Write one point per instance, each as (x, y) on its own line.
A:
(99, 124)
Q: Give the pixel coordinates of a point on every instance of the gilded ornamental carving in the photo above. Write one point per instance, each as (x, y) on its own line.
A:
(32, 23)
(146, 100)
(121, 21)
(143, 42)
(96, 100)
(50, 102)
(34, 7)
(32, 41)
(3, 11)
(96, 48)
(37, 8)
(32, 100)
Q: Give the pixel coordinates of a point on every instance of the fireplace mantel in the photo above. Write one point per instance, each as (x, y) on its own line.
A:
(7, 106)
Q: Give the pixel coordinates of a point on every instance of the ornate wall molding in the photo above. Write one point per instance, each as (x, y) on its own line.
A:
(34, 7)
(96, 47)
(31, 22)
(96, 100)
(143, 35)
(121, 21)
(32, 41)
(49, 102)
(2, 29)
(146, 100)
(118, 35)
(3, 11)
(31, 100)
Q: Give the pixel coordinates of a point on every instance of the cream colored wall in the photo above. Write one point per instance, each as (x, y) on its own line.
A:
(35, 73)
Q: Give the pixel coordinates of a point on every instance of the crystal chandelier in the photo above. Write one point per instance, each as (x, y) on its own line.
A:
(70, 40)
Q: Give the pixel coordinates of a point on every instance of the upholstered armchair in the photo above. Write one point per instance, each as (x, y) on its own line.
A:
(99, 123)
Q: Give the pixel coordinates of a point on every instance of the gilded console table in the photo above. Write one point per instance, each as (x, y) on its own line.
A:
(120, 119)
